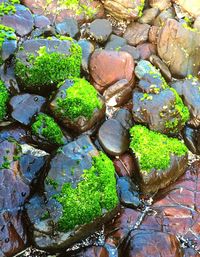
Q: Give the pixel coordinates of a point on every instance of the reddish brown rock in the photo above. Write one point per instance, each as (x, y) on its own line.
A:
(124, 165)
(146, 50)
(108, 67)
(153, 34)
(137, 33)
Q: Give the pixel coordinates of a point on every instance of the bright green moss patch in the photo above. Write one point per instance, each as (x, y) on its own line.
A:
(50, 68)
(153, 149)
(48, 128)
(96, 192)
(4, 96)
(6, 33)
(8, 8)
(81, 100)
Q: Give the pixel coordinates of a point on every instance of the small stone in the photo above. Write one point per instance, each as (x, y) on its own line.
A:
(41, 21)
(68, 27)
(148, 16)
(100, 30)
(115, 43)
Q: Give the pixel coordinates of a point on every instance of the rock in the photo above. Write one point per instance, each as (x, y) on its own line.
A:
(156, 173)
(128, 192)
(196, 24)
(41, 21)
(64, 108)
(113, 137)
(69, 164)
(118, 94)
(115, 43)
(8, 77)
(153, 34)
(188, 89)
(68, 27)
(133, 51)
(149, 244)
(124, 165)
(146, 50)
(160, 4)
(192, 7)
(108, 67)
(178, 48)
(162, 18)
(192, 139)
(8, 49)
(136, 33)
(159, 64)
(21, 21)
(149, 15)
(30, 71)
(92, 251)
(87, 49)
(100, 30)
(124, 116)
(18, 133)
(25, 106)
(145, 67)
(124, 10)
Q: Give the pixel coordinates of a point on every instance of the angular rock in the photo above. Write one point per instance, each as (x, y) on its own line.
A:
(188, 89)
(192, 139)
(100, 30)
(146, 50)
(192, 7)
(25, 106)
(21, 21)
(107, 67)
(8, 49)
(162, 18)
(124, 117)
(133, 51)
(67, 167)
(149, 16)
(41, 21)
(113, 137)
(68, 27)
(115, 42)
(160, 4)
(178, 47)
(136, 33)
(87, 49)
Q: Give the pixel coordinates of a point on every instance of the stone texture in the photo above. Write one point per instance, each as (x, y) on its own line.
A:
(125, 165)
(41, 21)
(87, 49)
(100, 30)
(115, 42)
(178, 47)
(68, 27)
(107, 67)
(160, 4)
(146, 50)
(162, 18)
(192, 139)
(148, 16)
(192, 7)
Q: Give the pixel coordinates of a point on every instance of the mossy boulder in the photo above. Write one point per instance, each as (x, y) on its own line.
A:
(4, 97)
(81, 195)
(78, 105)
(160, 159)
(43, 63)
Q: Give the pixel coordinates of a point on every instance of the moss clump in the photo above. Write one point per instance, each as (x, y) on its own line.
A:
(81, 100)
(8, 8)
(48, 128)
(4, 96)
(140, 8)
(153, 149)
(50, 68)
(95, 193)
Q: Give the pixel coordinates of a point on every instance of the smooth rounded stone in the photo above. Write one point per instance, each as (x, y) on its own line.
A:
(21, 21)
(118, 93)
(100, 30)
(160, 4)
(133, 51)
(128, 192)
(136, 33)
(68, 27)
(8, 49)
(124, 116)
(196, 24)
(153, 244)
(124, 10)
(188, 89)
(162, 18)
(146, 50)
(108, 67)
(44, 212)
(81, 123)
(192, 139)
(149, 15)
(125, 165)
(113, 137)
(178, 47)
(25, 106)
(159, 64)
(192, 7)
(41, 21)
(115, 43)
(87, 49)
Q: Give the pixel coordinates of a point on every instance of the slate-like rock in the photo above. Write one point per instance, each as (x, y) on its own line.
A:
(99, 30)
(192, 139)
(68, 27)
(115, 43)
(87, 50)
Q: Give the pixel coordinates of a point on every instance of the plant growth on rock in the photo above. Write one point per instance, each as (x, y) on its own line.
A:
(8, 7)
(4, 96)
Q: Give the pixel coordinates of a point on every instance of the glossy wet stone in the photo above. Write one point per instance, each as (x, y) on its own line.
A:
(125, 165)
(192, 139)
(113, 137)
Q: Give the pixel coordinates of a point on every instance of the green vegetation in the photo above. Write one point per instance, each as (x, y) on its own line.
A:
(95, 193)
(153, 149)
(81, 100)
(48, 68)
(4, 97)
(146, 97)
(8, 7)
(140, 8)
(45, 126)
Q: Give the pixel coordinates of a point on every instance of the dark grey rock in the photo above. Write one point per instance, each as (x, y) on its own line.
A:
(87, 49)
(115, 43)
(68, 27)
(124, 116)
(100, 30)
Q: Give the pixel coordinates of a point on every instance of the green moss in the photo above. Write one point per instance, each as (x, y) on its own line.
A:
(153, 149)
(50, 68)
(95, 193)
(48, 128)
(4, 97)
(6, 33)
(140, 8)
(81, 100)
(146, 97)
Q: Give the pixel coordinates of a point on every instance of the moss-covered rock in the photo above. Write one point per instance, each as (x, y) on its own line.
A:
(41, 64)
(160, 159)
(46, 128)
(4, 96)
(8, 7)
(78, 105)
